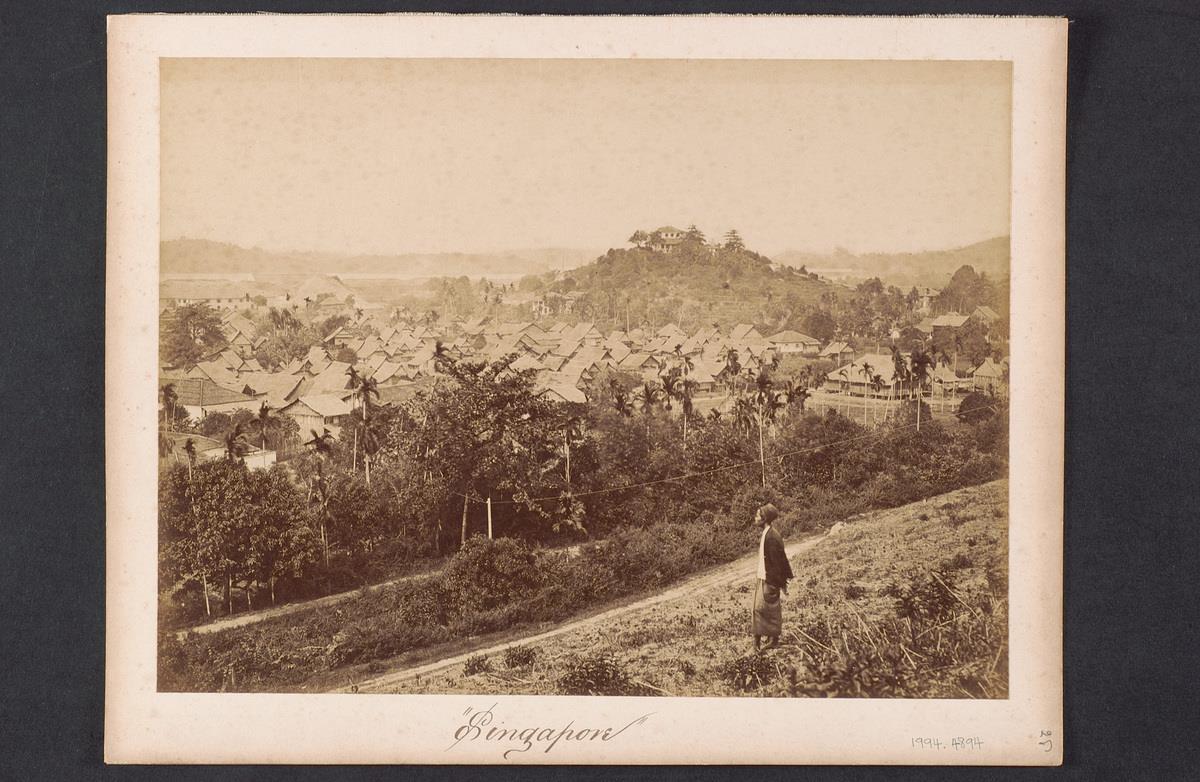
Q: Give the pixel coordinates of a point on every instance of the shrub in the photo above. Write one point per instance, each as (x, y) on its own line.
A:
(475, 664)
(959, 561)
(595, 674)
(486, 574)
(748, 672)
(520, 656)
(854, 591)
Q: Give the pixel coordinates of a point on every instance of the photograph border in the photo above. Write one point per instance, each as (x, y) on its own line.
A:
(142, 725)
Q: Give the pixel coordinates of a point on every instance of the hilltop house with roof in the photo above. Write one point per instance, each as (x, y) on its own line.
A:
(666, 239)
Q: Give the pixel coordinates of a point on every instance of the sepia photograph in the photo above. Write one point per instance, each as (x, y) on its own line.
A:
(660, 378)
(654, 377)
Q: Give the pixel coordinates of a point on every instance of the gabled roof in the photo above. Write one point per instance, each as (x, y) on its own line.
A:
(191, 392)
(567, 347)
(951, 320)
(619, 351)
(565, 393)
(277, 387)
(216, 371)
(986, 312)
(526, 362)
(324, 405)
(231, 359)
(744, 331)
(835, 349)
(638, 360)
(333, 380)
(988, 368)
(881, 364)
(385, 371)
(790, 337)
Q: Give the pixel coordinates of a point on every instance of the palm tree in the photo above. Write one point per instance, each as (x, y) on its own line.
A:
(670, 387)
(766, 404)
(733, 365)
(265, 421)
(368, 387)
(645, 398)
(236, 444)
(868, 372)
(322, 445)
(920, 363)
(844, 385)
(169, 399)
(687, 388)
(353, 384)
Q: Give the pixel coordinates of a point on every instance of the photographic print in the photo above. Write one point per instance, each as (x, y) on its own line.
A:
(643, 378)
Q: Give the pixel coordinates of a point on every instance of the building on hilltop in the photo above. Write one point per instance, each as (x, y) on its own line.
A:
(666, 239)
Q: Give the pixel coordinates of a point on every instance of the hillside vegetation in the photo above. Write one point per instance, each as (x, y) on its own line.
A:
(707, 286)
(908, 602)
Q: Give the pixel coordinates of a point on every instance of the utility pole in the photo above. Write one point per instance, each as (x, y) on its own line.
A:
(489, 509)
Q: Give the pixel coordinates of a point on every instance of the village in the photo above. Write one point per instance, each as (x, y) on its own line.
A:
(397, 353)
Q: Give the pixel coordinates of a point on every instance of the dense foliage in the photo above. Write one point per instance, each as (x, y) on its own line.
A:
(642, 505)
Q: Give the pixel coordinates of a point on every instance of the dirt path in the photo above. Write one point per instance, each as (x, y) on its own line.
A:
(725, 576)
(241, 620)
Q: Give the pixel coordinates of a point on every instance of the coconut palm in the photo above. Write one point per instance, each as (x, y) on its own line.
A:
(265, 421)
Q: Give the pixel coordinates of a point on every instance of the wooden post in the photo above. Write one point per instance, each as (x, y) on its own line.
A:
(463, 536)
(489, 510)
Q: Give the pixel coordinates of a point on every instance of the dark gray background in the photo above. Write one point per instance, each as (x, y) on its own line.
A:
(1132, 513)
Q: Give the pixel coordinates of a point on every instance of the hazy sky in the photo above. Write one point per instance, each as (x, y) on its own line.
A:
(392, 156)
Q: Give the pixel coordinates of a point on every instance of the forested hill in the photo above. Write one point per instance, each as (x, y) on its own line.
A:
(696, 286)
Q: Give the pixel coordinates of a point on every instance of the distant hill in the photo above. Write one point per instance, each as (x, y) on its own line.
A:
(723, 287)
(200, 256)
(933, 268)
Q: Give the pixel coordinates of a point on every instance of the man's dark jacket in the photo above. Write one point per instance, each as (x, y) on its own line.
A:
(779, 571)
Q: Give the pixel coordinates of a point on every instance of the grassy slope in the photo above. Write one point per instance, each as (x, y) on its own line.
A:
(842, 599)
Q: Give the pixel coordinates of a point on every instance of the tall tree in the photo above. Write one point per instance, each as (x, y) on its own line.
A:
(189, 333)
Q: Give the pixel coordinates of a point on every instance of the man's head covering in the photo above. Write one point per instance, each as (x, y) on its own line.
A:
(768, 513)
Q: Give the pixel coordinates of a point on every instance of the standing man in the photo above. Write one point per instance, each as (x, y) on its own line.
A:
(774, 572)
